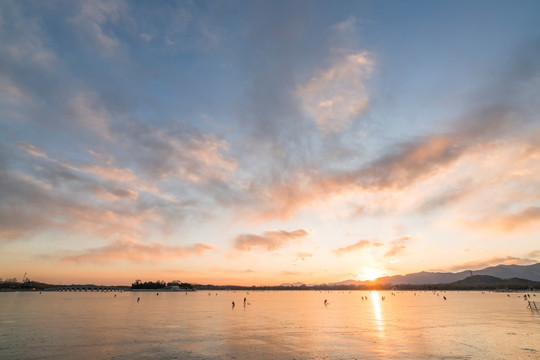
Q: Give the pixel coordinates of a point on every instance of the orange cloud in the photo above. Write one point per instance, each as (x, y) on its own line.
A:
(55, 169)
(397, 246)
(271, 240)
(396, 249)
(406, 166)
(526, 219)
(303, 255)
(414, 162)
(110, 173)
(32, 150)
(30, 206)
(212, 164)
(356, 246)
(136, 251)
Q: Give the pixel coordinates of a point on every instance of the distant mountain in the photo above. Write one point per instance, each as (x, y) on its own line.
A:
(487, 279)
(424, 277)
(528, 272)
(346, 283)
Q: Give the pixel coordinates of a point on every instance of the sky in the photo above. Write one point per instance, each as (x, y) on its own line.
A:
(267, 142)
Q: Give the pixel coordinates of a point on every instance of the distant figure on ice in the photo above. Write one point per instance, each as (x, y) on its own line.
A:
(233, 305)
(245, 302)
(325, 302)
(138, 299)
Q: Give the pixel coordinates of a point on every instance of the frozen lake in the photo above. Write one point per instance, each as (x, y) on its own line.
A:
(272, 325)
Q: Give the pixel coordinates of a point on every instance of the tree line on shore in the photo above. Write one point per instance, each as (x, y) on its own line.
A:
(159, 284)
(476, 282)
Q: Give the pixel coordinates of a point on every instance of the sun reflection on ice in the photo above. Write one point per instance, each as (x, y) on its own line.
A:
(377, 311)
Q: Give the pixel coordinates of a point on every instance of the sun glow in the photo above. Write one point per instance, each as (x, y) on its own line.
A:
(370, 274)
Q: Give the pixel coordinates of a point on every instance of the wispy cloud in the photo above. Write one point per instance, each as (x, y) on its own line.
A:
(397, 247)
(109, 172)
(93, 22)
(23, 38)
(270, 240)
(32, 149)
(136, 251)
(191, 155)
(96, 195)
(447, 197)
(303, 255)
(106, 180)
(403, 167)
(335, 96)
(145, 37)
(524, 220)
(13, 97)
(115, 193)
(88, 111)
(63, 197)
(480, 264)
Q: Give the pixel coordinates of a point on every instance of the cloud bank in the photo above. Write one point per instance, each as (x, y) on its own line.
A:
(136, 251)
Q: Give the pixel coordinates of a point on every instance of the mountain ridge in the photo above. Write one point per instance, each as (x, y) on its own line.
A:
(527, 272)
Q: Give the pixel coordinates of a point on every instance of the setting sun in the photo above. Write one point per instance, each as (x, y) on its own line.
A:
(369, 274)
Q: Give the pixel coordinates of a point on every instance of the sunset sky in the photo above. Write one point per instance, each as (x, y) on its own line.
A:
(267, 142)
